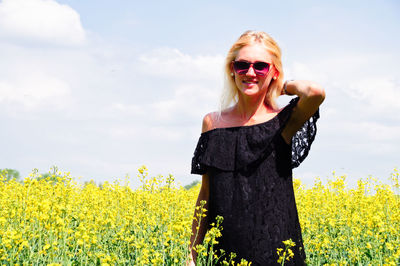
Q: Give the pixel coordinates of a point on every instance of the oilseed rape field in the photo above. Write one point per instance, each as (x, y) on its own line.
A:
(57, 221)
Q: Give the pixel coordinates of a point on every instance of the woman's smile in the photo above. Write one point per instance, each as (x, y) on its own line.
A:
(249, 84)
(250, 81)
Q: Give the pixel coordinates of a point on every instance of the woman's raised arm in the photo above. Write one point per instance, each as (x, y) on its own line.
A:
(311, 96)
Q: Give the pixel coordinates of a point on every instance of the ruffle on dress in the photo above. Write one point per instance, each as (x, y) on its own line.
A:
(233, 148)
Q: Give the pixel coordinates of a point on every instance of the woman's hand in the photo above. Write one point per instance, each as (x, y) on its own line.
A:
(303, 89)
(190, 261)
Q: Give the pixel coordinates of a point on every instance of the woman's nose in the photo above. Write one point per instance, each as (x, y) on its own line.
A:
(251, 72)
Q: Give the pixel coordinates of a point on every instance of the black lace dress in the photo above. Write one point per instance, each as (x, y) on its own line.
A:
(250, 173)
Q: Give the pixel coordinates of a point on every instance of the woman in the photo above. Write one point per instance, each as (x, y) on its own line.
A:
(246, 153)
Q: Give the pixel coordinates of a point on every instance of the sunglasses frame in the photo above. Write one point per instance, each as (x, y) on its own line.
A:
(257, 72)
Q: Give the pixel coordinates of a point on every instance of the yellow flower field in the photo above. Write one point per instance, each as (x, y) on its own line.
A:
(55, 221)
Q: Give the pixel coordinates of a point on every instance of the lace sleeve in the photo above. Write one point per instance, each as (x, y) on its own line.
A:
(302, 140)
(197, 167)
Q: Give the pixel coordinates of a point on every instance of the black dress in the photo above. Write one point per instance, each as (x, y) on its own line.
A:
(250, 175)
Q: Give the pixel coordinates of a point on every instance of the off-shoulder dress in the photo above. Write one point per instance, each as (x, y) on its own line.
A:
(250, 177)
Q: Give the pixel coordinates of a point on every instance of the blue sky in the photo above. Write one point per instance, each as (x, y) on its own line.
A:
(100, 88)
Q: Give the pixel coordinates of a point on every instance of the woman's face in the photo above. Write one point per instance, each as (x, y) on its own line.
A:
(250, 83)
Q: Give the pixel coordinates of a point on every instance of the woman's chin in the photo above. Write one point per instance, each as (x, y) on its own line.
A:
(250, 91)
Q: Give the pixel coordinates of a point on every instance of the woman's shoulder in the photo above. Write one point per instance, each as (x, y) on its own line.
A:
(208, 122)
(216, 119)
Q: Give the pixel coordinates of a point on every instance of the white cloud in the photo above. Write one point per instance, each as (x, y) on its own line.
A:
(171, 63)
(41, 20)
(350, 80)
(128, 109)
(378, 132)
(193, 87)
(34, 90)
(304, 71)
(188, 100)
(381, 93)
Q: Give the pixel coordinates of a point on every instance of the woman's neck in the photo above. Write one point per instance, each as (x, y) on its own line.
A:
(248, 108)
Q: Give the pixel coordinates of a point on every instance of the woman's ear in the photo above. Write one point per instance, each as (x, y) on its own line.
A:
(276, 75)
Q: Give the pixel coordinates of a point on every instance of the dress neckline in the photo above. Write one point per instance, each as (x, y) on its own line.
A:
(292, 101)
(244, 126)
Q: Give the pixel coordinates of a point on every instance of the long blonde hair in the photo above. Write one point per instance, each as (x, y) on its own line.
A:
(230, 91)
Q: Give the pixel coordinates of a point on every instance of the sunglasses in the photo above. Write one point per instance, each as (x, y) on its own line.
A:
(242, 67)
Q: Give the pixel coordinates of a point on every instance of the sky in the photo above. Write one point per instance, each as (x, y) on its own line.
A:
(100, 88)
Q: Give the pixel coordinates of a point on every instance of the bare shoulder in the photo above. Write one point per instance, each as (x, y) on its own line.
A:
(208, 122)
(217, 119)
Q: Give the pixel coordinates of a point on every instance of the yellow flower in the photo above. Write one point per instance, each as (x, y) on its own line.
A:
(116, 224)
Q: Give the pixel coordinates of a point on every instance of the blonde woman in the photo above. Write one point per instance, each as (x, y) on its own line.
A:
(246, 153)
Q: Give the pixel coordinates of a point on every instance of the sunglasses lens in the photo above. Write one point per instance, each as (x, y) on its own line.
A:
(261, 68)
(241, 67)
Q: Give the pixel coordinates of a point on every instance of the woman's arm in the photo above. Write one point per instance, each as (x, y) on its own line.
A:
(311, 96)
(199, 230)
